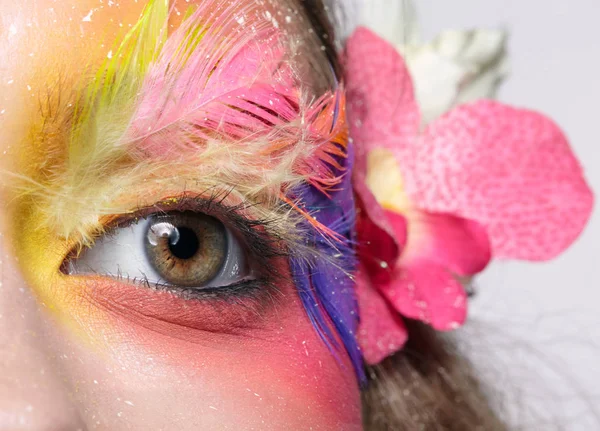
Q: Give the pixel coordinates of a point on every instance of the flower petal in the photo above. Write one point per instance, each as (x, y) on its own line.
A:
(381, 331)
(459, 245)
(382, 110)
(509, 169)
(427, 291)
(380, 237)
(440, 247)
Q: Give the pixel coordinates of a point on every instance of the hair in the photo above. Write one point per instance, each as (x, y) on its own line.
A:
(429, 384)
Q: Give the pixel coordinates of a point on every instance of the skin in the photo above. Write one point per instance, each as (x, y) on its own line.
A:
(93, 353)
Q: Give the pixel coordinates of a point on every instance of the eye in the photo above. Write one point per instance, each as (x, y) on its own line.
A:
(184, 249)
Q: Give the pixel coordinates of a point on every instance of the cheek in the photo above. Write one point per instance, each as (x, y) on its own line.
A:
(244, 366)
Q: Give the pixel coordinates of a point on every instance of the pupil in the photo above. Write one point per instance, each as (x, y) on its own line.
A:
(183, 243)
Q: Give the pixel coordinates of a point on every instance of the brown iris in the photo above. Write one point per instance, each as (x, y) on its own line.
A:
(186, 248)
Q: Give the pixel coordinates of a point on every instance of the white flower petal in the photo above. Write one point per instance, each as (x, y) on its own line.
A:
(394, 20)
(456, 67)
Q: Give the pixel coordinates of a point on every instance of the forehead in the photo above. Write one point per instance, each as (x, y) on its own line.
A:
(83, 28)
(49, 46)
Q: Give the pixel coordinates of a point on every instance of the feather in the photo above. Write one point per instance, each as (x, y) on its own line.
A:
(213, 95)
(325, 283)
(219, 105)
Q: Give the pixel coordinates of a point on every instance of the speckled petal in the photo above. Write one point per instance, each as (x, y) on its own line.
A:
(511, 170)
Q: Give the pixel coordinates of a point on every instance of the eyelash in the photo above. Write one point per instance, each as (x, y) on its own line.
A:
(261, 247)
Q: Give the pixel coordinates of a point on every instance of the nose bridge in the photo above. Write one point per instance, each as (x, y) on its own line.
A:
(32, 393)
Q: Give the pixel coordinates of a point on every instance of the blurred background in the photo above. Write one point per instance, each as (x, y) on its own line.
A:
(536, 327)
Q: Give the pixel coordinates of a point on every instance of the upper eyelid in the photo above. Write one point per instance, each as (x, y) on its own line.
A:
(252, 233)
(211, 205)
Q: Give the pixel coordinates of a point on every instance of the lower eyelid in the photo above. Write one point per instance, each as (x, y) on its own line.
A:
(177, 317)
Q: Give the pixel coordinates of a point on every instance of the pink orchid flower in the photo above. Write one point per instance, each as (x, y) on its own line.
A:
(485, 180)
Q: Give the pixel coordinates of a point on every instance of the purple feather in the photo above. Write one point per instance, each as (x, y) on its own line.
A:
(325, 285)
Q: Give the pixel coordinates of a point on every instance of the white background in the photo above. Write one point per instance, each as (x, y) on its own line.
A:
(535, 328)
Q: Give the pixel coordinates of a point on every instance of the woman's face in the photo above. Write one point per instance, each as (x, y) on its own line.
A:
(81, 348)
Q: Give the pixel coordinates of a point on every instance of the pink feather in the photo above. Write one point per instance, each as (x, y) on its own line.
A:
(217, 80)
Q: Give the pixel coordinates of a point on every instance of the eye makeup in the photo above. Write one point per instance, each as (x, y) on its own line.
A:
(179, 312)
(240, 258)
(231, 117)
